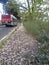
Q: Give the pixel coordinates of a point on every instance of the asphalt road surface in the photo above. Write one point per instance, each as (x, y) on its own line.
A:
(4, 31)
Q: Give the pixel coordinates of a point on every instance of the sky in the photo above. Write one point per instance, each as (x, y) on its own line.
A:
(1, 10)
(23, 1)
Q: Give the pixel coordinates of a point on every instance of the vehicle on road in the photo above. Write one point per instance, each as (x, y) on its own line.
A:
(9, 20)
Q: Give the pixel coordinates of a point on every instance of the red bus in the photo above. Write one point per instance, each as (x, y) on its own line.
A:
(9, 20)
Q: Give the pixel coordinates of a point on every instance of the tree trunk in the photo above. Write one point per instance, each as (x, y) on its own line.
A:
(28, 6)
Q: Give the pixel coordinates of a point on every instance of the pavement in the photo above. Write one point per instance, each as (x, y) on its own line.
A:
(19, 50)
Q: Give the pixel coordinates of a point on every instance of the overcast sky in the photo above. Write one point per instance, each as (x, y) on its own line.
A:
(23, 1)
(1, 10)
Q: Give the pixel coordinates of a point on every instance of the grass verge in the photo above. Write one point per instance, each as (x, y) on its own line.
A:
(35, 28)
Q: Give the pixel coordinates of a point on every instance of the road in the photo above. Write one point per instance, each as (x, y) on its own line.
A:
(4, 31)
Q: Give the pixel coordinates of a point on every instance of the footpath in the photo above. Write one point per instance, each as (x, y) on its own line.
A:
(19, 50)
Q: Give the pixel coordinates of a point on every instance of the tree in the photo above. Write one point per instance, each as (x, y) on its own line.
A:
(12, 7)
(28, 6)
